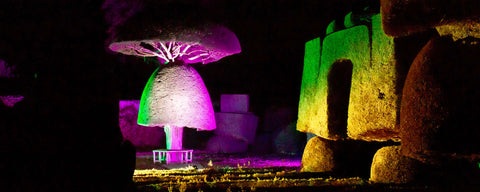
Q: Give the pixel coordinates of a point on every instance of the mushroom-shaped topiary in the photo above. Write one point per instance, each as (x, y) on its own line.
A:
(175, 95)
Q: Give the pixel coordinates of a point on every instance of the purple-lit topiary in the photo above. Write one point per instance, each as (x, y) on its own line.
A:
(9, 72)
(175, 95)
(206, 44)
(11, 100)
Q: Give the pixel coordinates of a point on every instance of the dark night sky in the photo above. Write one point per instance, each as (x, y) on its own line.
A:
(272, 35)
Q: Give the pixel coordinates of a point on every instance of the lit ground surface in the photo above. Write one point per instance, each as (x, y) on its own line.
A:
(201, 160)
(248, 172)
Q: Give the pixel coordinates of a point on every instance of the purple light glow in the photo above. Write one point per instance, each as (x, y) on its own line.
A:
(257, 162)
(262, 163)
(174, 136)
(224, 160)
(140, 136)
(11, 100)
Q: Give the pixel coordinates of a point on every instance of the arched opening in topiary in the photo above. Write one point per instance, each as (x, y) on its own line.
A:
(339, 84)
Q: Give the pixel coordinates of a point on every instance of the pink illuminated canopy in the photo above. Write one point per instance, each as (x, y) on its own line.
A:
(206, 44)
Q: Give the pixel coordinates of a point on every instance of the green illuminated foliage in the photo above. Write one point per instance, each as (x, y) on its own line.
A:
(309, 87)
(332, 27)
(348, 20)
(143, 114)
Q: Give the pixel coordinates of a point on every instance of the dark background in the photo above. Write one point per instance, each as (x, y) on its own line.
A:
(64, 135)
